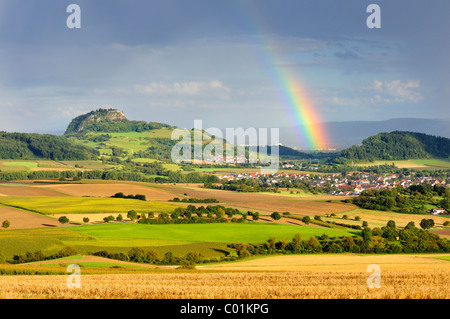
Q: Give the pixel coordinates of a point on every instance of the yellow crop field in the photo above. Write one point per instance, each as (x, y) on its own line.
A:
(288, 277)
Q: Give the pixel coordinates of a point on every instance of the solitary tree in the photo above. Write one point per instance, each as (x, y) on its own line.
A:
(6, 224)
(306, 220)
(63, 220)
(426, 223)
(85, 219)
(275, 215)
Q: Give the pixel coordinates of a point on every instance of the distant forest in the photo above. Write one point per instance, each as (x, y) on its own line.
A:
(42, 146)
(396, 146)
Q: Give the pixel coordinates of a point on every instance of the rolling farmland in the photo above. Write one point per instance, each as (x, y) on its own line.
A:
(33, 210)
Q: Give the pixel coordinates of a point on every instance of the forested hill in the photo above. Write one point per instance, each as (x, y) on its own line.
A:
(397, 145)
(42, 146)
(109, 120)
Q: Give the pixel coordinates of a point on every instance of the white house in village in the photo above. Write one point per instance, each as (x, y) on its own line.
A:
(438, 211)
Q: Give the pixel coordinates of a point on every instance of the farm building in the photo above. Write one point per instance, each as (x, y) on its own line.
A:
(438, 211)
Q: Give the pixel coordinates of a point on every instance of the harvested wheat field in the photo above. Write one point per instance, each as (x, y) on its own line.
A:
(14, 190)
(442, 233)
(255, 285)
(402, 277)
(107, 190)
(339, 262)
(264, 203)
(21, 219)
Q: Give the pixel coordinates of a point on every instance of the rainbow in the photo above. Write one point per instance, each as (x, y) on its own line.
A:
(310, 129)
(302, 113)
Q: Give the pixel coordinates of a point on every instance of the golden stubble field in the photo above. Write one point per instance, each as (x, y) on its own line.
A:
(287, 277)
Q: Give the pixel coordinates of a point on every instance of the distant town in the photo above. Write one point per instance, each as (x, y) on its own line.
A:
(342, 185)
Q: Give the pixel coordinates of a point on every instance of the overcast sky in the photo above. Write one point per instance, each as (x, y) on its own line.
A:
(175, 61)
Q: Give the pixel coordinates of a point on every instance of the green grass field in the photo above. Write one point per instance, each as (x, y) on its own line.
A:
(84, 205)
(14, 166)
(48, 240)
(25, 164)
(214, 232)
(208, 239)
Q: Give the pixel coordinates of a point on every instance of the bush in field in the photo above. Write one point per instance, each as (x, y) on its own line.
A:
(6, 223)
(255, 215)
(63, 220)
(85, 219)
(275, 216)
(306, 220)
(187, 264)
(108, 219)
(65, 252)
(426, 223)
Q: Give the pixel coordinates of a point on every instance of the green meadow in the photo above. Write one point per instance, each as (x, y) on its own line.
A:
(84, 205)
(210, 232)
(210, 240)
(25, 164)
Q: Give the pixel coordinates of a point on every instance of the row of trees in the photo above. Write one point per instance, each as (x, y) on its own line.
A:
(130, 196)
(192, 214)
(194, 200)
(39, 256)
(193, 177)
(387, 239)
